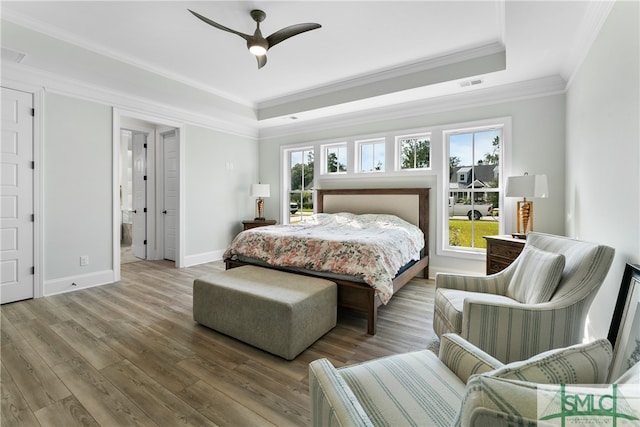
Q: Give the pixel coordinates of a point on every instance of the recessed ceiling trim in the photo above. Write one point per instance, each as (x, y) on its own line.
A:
(391, 73)
(408, 78)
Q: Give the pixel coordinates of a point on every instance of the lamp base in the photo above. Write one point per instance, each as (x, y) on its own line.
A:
(259, 219)
(259, 209)
(524, 216)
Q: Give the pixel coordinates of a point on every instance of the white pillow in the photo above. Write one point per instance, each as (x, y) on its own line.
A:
(578, 364)
(536, 277)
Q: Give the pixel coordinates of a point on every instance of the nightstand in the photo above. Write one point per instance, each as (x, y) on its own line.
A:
(501, 251)
(253, 223)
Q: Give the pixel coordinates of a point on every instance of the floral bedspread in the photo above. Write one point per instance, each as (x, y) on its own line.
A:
(370, 247)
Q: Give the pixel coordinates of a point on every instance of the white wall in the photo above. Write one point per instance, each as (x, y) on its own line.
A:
(603, 152)
(219, 169)
(538, 133)
(77, 168)
(78, 192)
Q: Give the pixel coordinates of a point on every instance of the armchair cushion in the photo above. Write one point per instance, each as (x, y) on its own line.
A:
(536, 266)
(449, 303)
(577, 364)
(406, 389)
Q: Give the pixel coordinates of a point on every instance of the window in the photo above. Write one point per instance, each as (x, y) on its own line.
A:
(372, 155)
(300, 184)
(414, 151)
(474, 189)
(336, 158)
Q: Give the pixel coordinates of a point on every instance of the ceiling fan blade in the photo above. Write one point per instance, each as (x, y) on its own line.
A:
(290, 31)
(262, 60)
(218, 26)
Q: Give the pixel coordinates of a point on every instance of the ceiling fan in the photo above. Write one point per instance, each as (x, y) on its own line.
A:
(256, 43)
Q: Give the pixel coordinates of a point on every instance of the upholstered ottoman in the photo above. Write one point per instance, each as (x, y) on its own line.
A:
(279, 312)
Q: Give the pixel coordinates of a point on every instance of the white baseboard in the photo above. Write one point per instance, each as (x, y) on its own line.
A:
(203, 258)
(73, 283)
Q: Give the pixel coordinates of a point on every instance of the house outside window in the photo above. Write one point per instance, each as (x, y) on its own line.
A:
(301, 175)
(474, 188)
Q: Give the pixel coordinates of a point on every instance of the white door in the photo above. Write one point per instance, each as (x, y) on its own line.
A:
(16, 197)
(170, 143)
(139, 213)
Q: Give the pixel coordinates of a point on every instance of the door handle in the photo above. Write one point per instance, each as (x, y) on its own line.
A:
(135, 211)
(164, 212)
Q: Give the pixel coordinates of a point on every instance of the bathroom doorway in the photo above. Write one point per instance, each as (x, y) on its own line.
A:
(133, 195)
(147, 176)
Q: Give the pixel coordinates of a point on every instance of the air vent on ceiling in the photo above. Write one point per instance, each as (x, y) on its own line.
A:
(12, 55)
(468, 83)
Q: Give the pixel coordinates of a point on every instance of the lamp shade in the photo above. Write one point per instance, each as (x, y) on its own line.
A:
(260, 190)
(527, 186)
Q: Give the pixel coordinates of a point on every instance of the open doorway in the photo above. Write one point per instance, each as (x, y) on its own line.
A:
(133, 196)
(146, 190)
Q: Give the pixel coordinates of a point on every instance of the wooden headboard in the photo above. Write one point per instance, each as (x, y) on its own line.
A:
(410, 204)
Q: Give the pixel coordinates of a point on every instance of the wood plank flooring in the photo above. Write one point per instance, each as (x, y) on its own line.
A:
(130, 353)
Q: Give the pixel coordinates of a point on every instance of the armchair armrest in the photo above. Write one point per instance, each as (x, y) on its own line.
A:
(332, 400)
(465, 359)
(510, 331)
(494, 284)
(499, 402)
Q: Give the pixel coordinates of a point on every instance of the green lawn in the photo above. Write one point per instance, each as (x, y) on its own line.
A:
(460, 232)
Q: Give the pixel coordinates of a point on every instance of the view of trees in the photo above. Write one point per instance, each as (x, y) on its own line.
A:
(415, 153)
(302, 181)
(302, 173)
(333, 165)
(493, 158)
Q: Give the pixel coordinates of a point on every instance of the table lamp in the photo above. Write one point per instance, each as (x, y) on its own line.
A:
(260, 191)
(526, 186)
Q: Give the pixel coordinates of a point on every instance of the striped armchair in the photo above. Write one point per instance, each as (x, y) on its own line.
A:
(462, 386)
(539, 302)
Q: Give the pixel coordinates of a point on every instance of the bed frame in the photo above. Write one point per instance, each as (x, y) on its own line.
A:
(410, 204)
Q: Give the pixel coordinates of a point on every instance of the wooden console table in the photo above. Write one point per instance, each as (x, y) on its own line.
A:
(501, 251)
(250, 223)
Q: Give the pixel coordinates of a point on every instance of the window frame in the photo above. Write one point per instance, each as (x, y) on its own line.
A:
(325, 157)
(436, 174)
(506, 216)
(398, 150)
(358, 154)
(286, 178)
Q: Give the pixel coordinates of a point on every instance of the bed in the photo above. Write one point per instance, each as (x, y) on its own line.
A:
(409, 204)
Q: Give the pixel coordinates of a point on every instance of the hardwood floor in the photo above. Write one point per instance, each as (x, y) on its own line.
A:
(130, 353)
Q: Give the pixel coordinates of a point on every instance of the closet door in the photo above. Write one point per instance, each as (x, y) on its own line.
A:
(16, 197)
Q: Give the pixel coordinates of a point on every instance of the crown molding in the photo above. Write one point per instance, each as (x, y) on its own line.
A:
(595, 16)
(476, 98)
(53, 83)
(48, 30)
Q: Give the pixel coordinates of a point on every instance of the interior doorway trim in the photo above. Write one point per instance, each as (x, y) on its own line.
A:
(118, 115)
